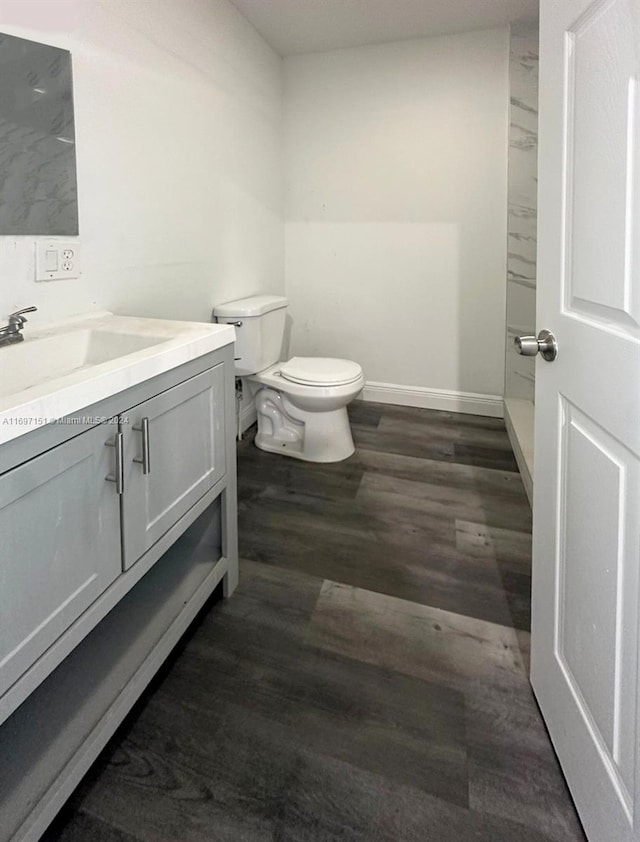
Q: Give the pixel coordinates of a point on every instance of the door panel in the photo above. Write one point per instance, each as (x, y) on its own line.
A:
(586, 582)
(597, 644)
(601, 186)
(186, 458)
(60, 527)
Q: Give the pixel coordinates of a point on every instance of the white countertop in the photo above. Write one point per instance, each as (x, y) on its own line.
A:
(57, 370)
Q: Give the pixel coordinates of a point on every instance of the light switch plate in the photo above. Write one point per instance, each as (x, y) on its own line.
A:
(57, 260)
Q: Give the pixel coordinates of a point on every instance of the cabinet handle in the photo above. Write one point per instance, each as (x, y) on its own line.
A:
(118, 443)
(145, 461)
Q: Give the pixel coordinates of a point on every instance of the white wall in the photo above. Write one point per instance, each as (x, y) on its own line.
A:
(179, 151)
(395, 208)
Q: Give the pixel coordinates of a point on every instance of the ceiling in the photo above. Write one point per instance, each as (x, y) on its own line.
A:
(306, 26)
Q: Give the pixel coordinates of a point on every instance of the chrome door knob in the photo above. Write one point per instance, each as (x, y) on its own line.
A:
(545, 344)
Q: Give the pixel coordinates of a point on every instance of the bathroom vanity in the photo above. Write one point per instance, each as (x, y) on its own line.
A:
(117, 521)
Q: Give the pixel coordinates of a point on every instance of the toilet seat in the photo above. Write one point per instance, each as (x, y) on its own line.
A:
(320, 371)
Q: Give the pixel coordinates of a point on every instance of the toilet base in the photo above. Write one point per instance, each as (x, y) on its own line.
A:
(310, 436)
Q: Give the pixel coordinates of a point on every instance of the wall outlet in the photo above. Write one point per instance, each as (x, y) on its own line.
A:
(57, 260)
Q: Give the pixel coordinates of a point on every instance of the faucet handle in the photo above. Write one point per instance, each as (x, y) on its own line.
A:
(18, 318)
(24, 310)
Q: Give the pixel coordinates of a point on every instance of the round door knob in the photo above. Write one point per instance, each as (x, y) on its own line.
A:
(545, 344)
(526, 345)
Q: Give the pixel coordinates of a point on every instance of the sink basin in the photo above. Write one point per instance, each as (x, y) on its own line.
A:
(37, 360)
(60, 369)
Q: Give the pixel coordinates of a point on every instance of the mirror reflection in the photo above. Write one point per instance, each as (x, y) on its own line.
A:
(38, 186)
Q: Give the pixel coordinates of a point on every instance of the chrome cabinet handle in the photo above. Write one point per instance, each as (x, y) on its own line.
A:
(545, 344)
(145, 461)
(118, 477)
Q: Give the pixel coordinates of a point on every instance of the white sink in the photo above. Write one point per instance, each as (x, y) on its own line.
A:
(60, 369)
(38, 360)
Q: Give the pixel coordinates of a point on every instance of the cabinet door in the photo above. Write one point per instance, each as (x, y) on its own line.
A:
(174, 453)
(60, 539)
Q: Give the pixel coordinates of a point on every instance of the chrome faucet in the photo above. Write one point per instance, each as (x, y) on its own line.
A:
(12, 332)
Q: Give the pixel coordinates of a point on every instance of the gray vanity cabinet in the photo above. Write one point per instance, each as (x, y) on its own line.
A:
(114, 536)
(174, 452)
(60, 527)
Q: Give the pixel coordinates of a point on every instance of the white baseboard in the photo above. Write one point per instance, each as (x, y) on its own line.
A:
(443, 399)
(249, 414)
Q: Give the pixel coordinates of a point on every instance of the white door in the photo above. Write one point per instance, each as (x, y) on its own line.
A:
(586, 537)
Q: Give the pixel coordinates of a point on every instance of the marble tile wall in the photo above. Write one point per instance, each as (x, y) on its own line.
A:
(522, 199)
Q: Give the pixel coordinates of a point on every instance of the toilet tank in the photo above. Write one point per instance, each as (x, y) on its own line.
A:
(260, 332)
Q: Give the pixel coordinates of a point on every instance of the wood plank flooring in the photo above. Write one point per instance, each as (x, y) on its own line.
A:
(368, 680)
(416, 513)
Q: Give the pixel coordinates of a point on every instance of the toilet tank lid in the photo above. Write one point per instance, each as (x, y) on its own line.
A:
(255, 305)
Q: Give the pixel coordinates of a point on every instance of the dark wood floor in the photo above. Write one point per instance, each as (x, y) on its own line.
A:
(368, 680)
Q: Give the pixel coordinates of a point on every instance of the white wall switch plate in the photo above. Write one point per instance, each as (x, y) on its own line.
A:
(57, 260)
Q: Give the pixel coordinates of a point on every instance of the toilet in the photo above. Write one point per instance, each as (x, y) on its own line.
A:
(302, 402)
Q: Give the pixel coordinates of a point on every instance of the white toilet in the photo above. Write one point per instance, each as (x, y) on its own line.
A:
(301, 403)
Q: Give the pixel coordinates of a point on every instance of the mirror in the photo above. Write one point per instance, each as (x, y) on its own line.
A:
(38, 185)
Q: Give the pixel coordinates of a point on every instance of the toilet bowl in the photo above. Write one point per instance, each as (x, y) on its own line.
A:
(301, 403)
(306, 420)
